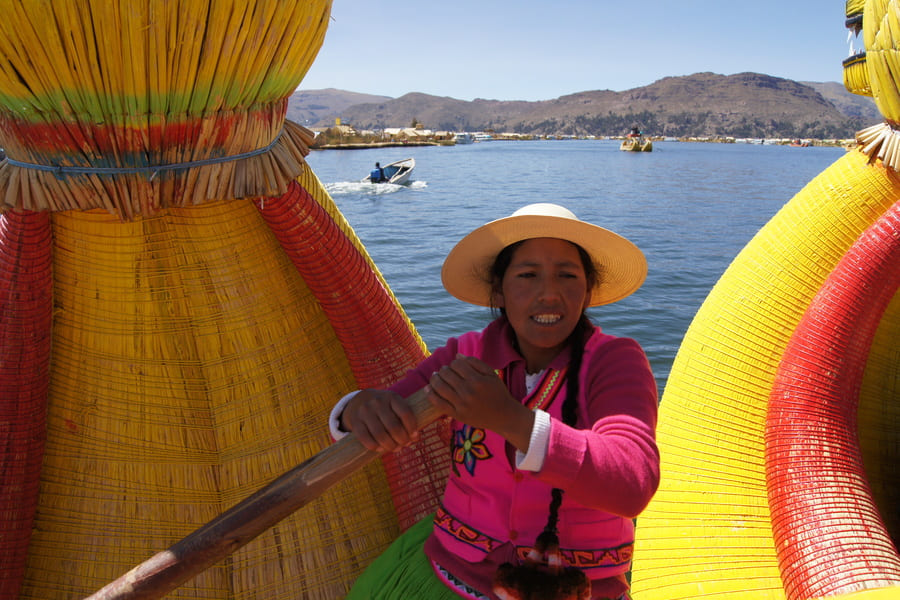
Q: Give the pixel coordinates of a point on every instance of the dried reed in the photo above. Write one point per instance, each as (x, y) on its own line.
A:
(881, 142)
(856, 76)
(189, 360)
(113, 85)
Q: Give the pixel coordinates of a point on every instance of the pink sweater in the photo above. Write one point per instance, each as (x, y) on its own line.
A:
(607, 465)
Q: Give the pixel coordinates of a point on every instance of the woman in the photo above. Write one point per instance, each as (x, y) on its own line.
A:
(554, 448)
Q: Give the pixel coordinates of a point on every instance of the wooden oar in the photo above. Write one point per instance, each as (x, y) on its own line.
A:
(165, 571)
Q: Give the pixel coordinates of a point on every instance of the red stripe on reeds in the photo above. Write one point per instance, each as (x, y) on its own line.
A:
(374, 333)
(26, 302)
(829, 535)
(138, 142)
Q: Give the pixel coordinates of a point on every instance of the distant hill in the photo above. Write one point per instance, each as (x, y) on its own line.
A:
(318, 108)
(702, 104)
(849, 104)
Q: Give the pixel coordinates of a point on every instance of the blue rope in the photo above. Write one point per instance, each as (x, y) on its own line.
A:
(62, 171)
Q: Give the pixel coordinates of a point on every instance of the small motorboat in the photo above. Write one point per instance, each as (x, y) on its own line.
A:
(397, 172)
(636, 142)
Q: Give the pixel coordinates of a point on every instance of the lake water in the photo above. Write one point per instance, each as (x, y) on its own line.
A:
(691, 207)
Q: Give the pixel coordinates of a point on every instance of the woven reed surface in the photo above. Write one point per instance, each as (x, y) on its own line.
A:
(711, 511)
(885, 593)
(376, 335)
(878, 418)
(828, 531)
(112, 84)
(856, 77)
(333, 263)
(191, 365)
(26, 297)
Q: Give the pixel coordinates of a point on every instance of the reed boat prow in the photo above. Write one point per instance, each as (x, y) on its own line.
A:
(186, 303)
(183, 303)
(765, 379)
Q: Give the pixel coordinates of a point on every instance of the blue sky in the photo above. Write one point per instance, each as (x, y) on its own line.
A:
(539, 50)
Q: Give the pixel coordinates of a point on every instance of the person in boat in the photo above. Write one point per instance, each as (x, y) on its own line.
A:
(377, 174)
(553, 420)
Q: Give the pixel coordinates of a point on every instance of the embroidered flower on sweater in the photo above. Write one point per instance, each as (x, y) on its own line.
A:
(469, 447)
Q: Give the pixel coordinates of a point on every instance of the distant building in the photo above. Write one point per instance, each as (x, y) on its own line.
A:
(344, 130)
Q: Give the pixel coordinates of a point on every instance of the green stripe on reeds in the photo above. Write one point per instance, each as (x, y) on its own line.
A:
(102, 59)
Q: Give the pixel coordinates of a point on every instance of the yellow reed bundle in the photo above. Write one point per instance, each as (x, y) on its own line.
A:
(192, 365)
(712, 507)
(107, 58)
(854, 7)
(881, 33)
(879, 417)
(142, 88)
(856, 76)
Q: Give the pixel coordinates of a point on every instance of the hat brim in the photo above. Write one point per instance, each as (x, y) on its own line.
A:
(466, 270)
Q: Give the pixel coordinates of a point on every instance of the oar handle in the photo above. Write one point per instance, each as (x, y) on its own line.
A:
(165, 571)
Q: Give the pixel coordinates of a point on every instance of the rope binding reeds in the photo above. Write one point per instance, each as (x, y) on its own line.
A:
(153, 170)
(129, 190)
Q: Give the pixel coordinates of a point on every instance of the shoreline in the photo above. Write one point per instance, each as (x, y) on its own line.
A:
(756, 141)
(365, 145)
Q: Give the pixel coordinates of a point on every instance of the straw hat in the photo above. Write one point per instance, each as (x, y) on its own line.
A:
(465, 273)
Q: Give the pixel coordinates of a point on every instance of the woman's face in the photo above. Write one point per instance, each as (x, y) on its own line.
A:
(544, 293)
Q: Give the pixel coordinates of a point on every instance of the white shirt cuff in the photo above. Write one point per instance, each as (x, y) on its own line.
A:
(533, 460)
(334, 419)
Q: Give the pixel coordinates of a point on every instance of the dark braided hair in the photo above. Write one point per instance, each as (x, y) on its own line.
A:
(575, 342)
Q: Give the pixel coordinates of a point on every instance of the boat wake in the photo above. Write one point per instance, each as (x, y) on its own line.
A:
(342, 188)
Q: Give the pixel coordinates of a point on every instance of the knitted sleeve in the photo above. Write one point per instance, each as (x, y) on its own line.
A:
(613, 465)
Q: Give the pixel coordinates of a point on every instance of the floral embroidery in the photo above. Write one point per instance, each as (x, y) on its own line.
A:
(469, 447)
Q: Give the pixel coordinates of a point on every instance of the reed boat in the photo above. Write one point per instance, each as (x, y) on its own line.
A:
(183, 303)
(779, 422)
(635, 141)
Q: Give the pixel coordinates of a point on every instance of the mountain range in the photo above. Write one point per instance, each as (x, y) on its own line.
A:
(701, 105)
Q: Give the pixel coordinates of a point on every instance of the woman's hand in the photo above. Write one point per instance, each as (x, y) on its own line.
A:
(381, 420)
(470, 391)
